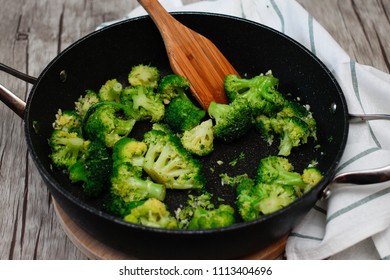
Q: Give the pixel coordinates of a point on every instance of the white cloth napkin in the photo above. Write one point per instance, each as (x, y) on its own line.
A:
(354, 223)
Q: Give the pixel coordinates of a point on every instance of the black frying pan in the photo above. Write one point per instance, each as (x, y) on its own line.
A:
(252, 49)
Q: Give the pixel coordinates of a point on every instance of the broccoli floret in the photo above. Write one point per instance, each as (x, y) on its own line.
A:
(163, 127)
(68, 120)
(172, 86)
(259, 92)
(256, 200)
(85, 102)
(219, 217)
(294, 124)
(277, 170)
(153, 213)
(311, 176)
(200, 213)
(144, 75)
(127, 182)
(200, 139)
(168, 163)
(293, 133)
(108, 122)
(231, 120)
(181, 114)
(118, 207)
(246, 199)
(66, 148)
(146, 104)
(184, 214)
(275, 187)
(295, 109)
(93, 169)
(274, 197)
(110, 91)
(264, 126)
(131, 150)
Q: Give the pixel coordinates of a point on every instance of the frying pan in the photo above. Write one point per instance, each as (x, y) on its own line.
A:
(252, 49)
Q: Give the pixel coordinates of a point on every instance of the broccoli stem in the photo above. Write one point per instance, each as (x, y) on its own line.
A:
(289, 178)
(285, 145)
(154, 190)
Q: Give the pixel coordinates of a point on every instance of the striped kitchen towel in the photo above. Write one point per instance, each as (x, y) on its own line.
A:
(355, 221)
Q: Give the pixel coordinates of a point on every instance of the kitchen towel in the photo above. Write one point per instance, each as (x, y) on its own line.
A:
(354, 222)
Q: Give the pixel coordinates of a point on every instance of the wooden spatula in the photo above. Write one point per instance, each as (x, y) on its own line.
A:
(192, 56)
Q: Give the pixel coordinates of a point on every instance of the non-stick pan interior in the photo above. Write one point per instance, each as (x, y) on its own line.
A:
(251, 48)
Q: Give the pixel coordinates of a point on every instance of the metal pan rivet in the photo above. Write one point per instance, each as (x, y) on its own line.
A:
(63, 76)
(333, 108)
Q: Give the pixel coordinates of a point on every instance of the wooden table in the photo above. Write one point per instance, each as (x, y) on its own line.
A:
(33, 32)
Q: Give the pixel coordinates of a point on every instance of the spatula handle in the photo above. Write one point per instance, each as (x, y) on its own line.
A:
(159, 15)
(191, 55)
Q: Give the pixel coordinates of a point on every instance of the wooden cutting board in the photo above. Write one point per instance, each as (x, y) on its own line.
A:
(96, 250)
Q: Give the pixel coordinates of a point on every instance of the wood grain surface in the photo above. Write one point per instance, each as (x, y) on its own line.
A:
(33, 32)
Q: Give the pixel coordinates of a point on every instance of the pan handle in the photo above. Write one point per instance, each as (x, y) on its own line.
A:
(10, 99)
(17, 74)
(364, 177)
(356, 118)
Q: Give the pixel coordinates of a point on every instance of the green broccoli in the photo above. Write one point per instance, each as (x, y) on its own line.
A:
(108, 122)
(259, 92)
(184, 214)
(200, 213)
(144, 75)
(232, 120)
(219, 217)
(235, 85)
(84, 102)
(68, 120)
(264, 126)
(182, 115)
(200, 139)
(311, 176)
(131, 150)
(146, 104)
(153, 213)
(256, 200)
(115, 205)
(274, 197)
(295, 109)
(274, 187)
(247, 199)
(172, 86)
(110, 91)
(163, 127)
(66, 148)
(292, 131)
(278, 170)
(127, 182)
(93, 169)
(273, 114)
(168, 163)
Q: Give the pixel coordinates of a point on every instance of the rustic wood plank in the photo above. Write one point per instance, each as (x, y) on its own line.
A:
(361, 27)
(34, 31)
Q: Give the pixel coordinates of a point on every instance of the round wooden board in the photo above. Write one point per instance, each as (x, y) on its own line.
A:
(96, 250)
